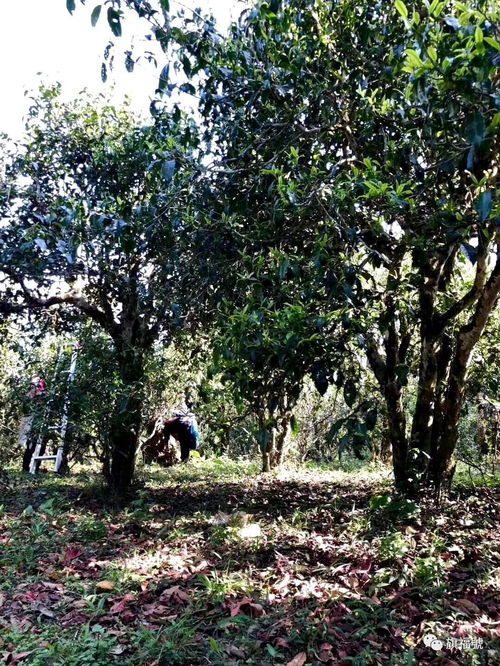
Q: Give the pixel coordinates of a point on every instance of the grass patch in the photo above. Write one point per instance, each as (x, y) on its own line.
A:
(337, 571)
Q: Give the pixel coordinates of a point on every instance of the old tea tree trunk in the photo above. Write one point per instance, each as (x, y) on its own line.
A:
(424, 457)
(126, 419)
(442, 465)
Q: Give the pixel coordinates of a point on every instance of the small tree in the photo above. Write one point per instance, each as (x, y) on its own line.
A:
(96, 213)
(264, 350)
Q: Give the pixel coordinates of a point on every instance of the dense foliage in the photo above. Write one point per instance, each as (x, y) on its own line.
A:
(329, 215)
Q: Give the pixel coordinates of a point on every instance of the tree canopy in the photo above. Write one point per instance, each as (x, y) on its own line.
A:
(330, 208)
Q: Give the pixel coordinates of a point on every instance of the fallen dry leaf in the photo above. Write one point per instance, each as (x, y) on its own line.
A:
(247, 607)
(120, 605)
(175, 595)
(71, 553)
(299, 660)
(15, 658)
(105, 586)
(467, 606)
(235, 651)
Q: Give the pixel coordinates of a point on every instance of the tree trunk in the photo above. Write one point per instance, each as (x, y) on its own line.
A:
(267, 441)
(443, 465)
(423, 416)
(282, 438)
(444, 360)
(382, 451)
(126, 421)
(396, 421)
(390, 385)
(268, 451)
(481, 436)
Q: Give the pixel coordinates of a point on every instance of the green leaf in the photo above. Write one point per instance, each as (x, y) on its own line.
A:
(483, 205)
(94, 17)
(272, 651)
(335, 428)
(283, 271)
(402, 9)
(41, 244)
(129, 62)
(70, 6)
(478, 35)
(319, 374)
(432, 53)
(114, 21)
(188, 88)
(413, 59)
(495, 122)
(475, 130)
(470, 252)
(165, 5)
(379, 501)
(164, 77)
(492, 42)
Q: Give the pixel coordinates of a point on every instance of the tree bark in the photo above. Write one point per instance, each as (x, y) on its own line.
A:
(385, 371)
(126, 421)
(481, 437)
(443, 466)
(282, 438)
(267, 441)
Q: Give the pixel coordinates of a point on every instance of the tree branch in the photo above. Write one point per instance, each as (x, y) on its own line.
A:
(471, 296)
(75, 300)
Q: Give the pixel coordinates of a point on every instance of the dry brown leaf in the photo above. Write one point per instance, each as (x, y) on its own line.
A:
(299, 660)
(467, 606)
(120, 605)
(248, 607)
(235, 651)
(15, 658)
(175, 595)
(105, 586)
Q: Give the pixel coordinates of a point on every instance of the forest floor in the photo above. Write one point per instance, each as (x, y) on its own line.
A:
(212, 563)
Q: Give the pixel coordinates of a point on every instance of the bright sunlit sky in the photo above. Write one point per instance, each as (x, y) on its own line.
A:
(41, 42)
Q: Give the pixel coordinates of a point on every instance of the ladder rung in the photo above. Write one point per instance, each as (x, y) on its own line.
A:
(44, 457)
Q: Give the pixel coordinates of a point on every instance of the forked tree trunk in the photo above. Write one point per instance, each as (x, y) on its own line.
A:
(272, 438)
(427, 458)
(443, 465)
